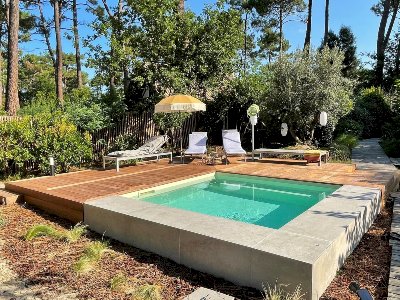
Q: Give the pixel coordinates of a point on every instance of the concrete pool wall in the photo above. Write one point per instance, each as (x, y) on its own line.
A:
(308, 250)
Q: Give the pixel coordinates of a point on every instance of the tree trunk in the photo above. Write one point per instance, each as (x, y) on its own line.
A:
(326, 22)
(245, 43)
(307, 40)
(392, 20)
(380, 43)
(280, 29)
(76, 44)
(59, 60)
(293, 134)
(12, 100)
(1, 79)
(181, 6)
(44, 27)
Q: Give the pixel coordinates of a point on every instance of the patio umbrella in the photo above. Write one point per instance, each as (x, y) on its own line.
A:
(179, 104)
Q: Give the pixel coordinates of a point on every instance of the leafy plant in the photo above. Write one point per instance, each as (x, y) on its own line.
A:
(75, 233)
(42, 230)
(3, 220)
(276, 292)
(253, 110)
(147, 292)
(302, 85)
(119, 283)
(34, 139)
(91, 256)
(72, 235)
(348, 140)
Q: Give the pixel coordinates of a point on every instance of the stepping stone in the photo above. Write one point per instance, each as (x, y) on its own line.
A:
(207, 294)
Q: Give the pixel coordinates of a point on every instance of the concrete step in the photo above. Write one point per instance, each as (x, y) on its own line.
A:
(7, 197)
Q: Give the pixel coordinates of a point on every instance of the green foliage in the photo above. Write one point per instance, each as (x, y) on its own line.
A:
(3, 220)
(91, 256)
(304, 85)
(277, 292)
(70, 236)
(253, 110)
(340, 150)
(350, 126)
(372, 111)
(125, 142)
(83, 111)
(391, 137)
(119, 283)
(147, 292)
(345, 41)
(348, 140)
(166, 121)
(41, 230)
(75, 233)
(35, 139)
(167, 51)
(391, 147)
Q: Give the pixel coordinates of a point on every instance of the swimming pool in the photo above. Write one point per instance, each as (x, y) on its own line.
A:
(262, 201)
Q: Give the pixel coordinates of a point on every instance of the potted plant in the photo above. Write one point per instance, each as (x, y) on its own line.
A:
(252, 113)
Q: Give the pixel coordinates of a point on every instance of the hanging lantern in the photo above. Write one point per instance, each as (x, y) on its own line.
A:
(284, 129)
(323, 118)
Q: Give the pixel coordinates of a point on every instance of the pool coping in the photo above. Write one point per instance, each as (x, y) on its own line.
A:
(307, 250)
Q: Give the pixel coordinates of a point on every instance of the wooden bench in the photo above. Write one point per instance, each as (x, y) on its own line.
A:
(322, 155)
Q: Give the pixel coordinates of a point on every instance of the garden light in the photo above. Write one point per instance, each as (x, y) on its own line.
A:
(284, 129)
(323, 118)
(52, 168)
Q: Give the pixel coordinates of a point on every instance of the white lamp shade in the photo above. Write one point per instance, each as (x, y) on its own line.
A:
(323, 118)
(284, 129)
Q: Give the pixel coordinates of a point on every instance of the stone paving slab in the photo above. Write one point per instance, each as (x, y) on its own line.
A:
(207, 294)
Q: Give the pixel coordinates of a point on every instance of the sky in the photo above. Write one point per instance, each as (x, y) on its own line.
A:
(356, 14)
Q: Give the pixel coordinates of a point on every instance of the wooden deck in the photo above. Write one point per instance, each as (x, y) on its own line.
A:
(65, 194)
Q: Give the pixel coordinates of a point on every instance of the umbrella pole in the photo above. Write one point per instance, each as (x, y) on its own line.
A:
(181, 147)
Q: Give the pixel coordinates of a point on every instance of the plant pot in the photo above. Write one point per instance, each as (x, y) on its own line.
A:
(253, 120)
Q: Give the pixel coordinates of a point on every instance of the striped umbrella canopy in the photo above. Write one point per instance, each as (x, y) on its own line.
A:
(179, 103)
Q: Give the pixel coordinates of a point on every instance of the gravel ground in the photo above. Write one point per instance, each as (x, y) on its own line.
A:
(46, 264)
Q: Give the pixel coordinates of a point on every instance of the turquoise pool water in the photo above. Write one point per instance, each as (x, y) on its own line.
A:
(262, 201)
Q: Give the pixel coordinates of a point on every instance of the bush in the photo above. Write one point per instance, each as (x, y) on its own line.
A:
(339, 153)
(348, 140)
(372, 111)
(34, 139)
(347, 125)
(391, 147)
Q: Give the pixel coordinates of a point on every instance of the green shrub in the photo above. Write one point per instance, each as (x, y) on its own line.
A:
(391, 147)
(348, 140)
(373, 111)
(91, 256)
(339, 153)
(36, 138)
(277, 292)
(42, 230)
(3, 220)
(349, 126)
(147, 292)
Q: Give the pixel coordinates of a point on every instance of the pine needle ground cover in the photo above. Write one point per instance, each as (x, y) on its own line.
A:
(122, 272)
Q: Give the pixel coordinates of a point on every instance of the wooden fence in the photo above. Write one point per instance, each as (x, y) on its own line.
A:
(141, 126)
(9, 118)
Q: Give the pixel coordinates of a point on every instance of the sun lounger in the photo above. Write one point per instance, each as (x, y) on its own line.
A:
(232, 144)
(151, 148)
(310, 155)
(197, 144)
